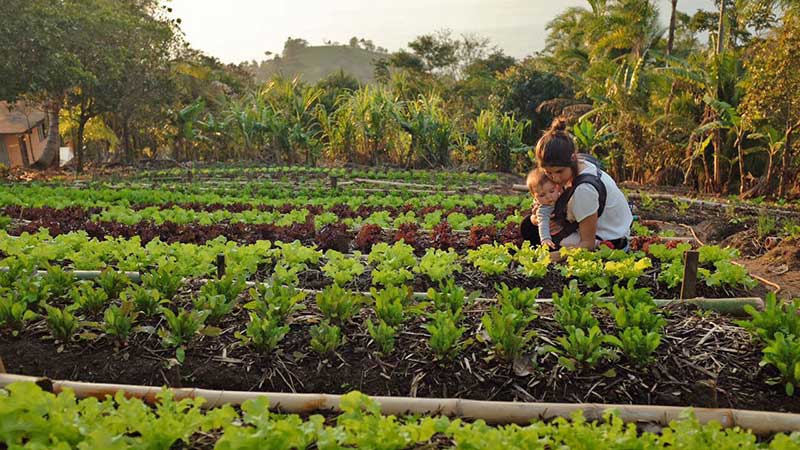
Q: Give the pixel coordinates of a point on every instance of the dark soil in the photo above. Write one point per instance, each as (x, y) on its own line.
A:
(704, 361)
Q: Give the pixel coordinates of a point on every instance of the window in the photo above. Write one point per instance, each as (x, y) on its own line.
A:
(40, 130)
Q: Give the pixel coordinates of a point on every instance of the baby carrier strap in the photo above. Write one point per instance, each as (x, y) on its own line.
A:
(560, 209)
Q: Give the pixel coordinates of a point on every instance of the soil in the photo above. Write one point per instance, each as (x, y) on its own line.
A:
(704, 361)
(780, 265)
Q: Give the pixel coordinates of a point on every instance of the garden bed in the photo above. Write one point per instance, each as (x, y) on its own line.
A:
(705, 361)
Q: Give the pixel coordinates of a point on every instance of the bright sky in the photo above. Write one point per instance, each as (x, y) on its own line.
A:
(239, 30)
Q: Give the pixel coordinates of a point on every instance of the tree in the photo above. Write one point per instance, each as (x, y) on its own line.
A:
(93, 56)
(292, 46)
(437, 51)
(523, 87)
(772, 84)
(39, 59)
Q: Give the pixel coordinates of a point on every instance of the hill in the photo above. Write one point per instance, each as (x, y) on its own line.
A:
(312, 64)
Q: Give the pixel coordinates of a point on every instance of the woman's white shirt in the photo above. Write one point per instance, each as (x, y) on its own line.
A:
(616, 220)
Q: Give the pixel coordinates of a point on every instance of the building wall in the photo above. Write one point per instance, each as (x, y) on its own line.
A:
(37, 140)
(34, 142)
(12, 145)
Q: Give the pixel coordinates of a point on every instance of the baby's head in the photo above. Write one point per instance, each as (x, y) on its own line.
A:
(542, 188)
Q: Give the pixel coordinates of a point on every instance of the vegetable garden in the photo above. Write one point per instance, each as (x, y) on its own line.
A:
(390, 283)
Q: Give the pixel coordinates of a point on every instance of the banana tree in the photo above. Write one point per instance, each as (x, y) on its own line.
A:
(775, 141)
(186, 121)
(432, 131)
(589, 139)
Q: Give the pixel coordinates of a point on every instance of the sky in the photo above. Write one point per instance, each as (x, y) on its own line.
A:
(242, 30)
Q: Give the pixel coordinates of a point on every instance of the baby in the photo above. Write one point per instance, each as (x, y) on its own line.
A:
(546, 194)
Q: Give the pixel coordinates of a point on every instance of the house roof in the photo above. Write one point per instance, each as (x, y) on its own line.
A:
(18, 118)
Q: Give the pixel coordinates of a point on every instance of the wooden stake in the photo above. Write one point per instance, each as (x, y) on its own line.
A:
(2, 366)
(689, 286)
(220, 265)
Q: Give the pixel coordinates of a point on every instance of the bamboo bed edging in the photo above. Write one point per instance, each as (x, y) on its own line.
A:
(759, 422)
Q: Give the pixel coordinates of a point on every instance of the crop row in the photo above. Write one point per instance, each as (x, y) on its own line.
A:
(39, 419)
(424, 176)
(459, 218)
(388, 264)
(586, 334)
(59, 196)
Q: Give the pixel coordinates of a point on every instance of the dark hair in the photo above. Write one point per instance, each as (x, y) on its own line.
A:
(556, 148)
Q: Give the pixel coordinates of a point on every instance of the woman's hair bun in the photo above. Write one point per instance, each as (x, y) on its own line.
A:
(559, 124)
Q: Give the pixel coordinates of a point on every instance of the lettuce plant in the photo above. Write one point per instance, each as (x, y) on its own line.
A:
(491, 259)
(521, 299)
(325, 338)
(337, 304)
(637, 345)
(147, 301)
(58, 281)
(14, 314)
(505, 326)
(181, 327)
(88, 299)
(383, 334)
(166, 280)
(445, 340)
(394, 263)
(783, 352)
(777, 317)
(112, 282)
(342, 269)
(275, 300)
(573, 309)
(118, 320)
(62, 323)
(390, 304)
(580, 349)
(533, 262)
(438, 264)
(264, 333)
(451, 298)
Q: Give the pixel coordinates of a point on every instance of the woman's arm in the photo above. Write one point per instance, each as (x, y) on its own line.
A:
(587, 229)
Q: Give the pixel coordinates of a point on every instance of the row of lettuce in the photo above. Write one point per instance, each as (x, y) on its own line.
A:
(245, 171)
(61, 196)
(388, 264)
(37, 419)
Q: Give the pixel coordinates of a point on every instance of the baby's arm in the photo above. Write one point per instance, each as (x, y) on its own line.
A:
(543, 215)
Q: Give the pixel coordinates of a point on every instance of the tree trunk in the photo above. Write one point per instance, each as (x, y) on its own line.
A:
(50, 155)
(721, 27)
(717, 161)
(671, 38)
(79, 145)
(126, 141)
(785, 160)
(769, 168)
(741, 163)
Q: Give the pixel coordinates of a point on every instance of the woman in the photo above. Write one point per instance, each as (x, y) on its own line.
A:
(611, 222)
